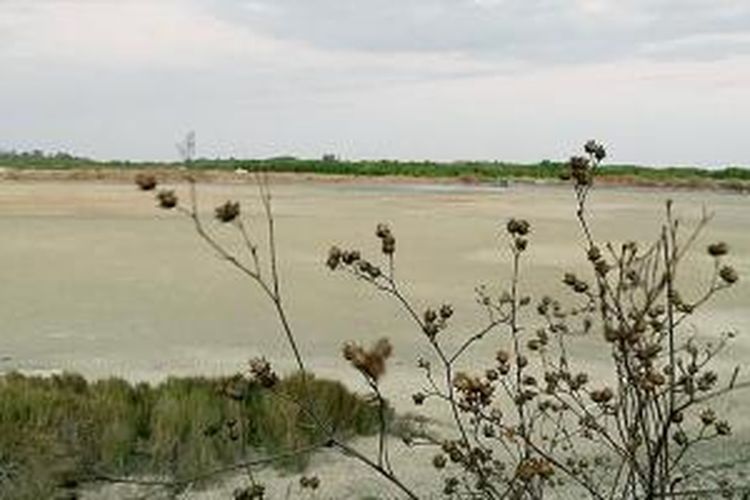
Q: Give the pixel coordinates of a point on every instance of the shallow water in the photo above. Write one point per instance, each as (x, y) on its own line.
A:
(97, 280)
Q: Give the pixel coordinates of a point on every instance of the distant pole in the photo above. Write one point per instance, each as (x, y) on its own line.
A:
(186, 148)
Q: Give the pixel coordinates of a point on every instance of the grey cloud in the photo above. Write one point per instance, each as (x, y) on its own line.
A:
(532, 30)
(393, 78)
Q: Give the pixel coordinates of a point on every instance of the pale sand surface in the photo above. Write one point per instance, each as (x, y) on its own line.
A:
(97, 280)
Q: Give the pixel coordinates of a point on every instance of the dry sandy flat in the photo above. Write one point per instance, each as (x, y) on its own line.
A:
(97, 280)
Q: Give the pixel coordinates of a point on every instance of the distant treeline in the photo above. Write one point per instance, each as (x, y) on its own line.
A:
(478, 170)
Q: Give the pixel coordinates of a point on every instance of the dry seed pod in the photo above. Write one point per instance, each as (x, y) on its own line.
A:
(534, 345)
(594, 254)
(370, 363)
(382, 230)
(602, 268)
(312, 482)
(167, 199)
(723, 428)
(262, 372)
(570, 279)
(430, 329)
(708, 417)
(596, 150)
(446, 311)
(581, 379)
(518, 227)
(601, 396)
(389, 244)
(580, 287)
(729, 275)
(718, 249)
(334, 258)
(430, 316)
(227, 212)
(145, 182)
(350, 257)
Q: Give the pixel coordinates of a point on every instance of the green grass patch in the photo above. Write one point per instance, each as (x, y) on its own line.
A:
(64, 429)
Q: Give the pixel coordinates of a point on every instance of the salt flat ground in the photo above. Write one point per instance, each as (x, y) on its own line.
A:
(96, 279)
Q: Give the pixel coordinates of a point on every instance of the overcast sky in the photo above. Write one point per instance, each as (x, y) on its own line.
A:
(659, 81)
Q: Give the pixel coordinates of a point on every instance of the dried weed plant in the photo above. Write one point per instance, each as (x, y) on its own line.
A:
(535, 420)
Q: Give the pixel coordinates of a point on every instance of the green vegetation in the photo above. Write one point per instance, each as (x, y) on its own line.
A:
(467, 170)
(63, 430)
(40, 159)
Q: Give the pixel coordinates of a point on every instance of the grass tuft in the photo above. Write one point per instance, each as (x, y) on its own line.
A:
(61, 430)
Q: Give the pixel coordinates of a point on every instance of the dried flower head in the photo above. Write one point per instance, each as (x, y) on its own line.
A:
(227, 212)
(594, 254)
(601, 267)
(255, 492)
(146, 182)
(595, 149)
(580, 170)
(334, 258)
(261, 372)
(473, 390)
(430, 316)
(434, 321)
(729, 275)
(349, 257)
(446, 311)
(707, 381)
(518, 227)
(718, 249)
(680, 438)
(311, 482)
(530, 468)
(708, 417)
(389, 245)
(167, 198)
(383, 232)
(370, 363)
(365, 268)
(451, 486)
(502, 357)
(601, 396)
(723, 428)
